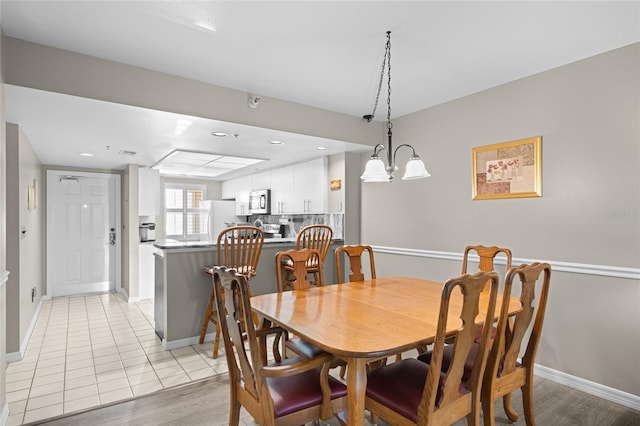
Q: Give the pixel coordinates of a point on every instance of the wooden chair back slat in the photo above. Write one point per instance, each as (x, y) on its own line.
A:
(487, 256)
(354, 254)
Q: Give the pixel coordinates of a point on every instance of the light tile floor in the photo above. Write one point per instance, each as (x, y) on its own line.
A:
(96, 349)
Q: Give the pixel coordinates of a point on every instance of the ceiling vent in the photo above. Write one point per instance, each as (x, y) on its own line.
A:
(125, 152)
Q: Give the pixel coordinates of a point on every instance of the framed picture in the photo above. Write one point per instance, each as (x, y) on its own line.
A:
(508, 170)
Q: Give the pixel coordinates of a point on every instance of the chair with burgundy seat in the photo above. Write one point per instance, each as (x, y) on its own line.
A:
(355, 253)
(486, 257)
(411, 392)
(504, 373)
(238, 247)
(295, 277)
(292, 392)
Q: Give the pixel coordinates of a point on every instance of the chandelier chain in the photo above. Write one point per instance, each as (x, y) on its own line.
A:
(388, 56)
(386, 62)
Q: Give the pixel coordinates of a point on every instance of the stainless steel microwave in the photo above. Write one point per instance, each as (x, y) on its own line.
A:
(260, 202)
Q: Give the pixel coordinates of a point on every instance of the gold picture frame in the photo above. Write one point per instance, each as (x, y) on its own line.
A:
(508, 170)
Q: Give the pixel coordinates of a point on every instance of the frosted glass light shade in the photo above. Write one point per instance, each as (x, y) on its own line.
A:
(375, 171)
(415, 169)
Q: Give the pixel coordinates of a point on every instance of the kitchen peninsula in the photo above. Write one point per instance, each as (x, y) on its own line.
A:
(182, 289)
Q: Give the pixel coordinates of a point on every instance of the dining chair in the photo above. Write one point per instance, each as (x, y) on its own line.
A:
(295, 278)
(504, 373)
(290, 393)
(354, 254)
(487, 256)
(412, 392)
(238, 247)
(296, 275)
(314, 237)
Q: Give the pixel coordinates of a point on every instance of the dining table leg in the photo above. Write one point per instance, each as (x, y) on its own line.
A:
(356, 390)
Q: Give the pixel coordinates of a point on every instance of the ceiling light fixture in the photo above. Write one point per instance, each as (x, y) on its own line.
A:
(86, 154)
(375, 170)
(276, 142)
(219, 134)
(321, 148)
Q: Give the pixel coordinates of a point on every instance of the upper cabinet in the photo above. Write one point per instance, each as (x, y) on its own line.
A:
(238, 189)
(261, 180)
(310, 186)
(148, 192)
(231, 188)
(297, 189)
(282, 201)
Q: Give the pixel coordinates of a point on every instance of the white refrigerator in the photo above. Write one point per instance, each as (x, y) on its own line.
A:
(220, 212)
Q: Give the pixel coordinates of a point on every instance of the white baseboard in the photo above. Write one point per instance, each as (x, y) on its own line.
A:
(592, 388)
(124, 293)
(17, 356)
(4, 414)
(195, 340)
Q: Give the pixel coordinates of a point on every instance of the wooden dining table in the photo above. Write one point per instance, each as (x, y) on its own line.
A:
(365, 320)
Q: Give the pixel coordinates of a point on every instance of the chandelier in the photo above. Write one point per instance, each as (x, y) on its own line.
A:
(375, 170)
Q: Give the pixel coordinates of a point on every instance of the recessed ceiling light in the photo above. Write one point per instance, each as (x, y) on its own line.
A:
(219, 134)
(205, 25)
(321, 148)
(276, 142)
(86, 154)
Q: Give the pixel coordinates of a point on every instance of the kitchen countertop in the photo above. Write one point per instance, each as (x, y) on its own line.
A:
(178, 245)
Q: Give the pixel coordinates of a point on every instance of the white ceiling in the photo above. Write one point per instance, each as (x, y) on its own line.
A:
(325, 54)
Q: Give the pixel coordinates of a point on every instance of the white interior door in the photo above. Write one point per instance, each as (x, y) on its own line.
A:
(83, 232)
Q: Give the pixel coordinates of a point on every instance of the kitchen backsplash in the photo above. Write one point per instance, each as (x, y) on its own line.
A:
(297, 222)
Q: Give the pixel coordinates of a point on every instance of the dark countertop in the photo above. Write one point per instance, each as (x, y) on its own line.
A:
(181, 245)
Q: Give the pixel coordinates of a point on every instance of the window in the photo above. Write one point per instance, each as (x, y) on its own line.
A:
(184, 216)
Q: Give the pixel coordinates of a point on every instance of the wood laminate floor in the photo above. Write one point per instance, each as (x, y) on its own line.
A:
(206, 403)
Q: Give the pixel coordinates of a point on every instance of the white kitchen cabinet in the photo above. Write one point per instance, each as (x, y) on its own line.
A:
(310, 186)
(261, 180)
(238, 189)
(231, 188)
(148, 192)
(282, 201)
(242, 203)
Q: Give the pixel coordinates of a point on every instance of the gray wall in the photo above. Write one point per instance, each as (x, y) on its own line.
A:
(588, 114)
(24, 255)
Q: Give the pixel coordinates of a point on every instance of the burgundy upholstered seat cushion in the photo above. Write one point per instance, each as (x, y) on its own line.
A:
(302, 348)
(448, 355)
(295, 393)
(399, 386)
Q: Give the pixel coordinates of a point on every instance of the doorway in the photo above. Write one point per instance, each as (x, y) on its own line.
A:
(83, 233)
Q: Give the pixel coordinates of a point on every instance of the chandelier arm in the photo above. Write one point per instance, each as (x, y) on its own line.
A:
(413, 151)
(376, 150)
